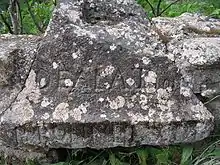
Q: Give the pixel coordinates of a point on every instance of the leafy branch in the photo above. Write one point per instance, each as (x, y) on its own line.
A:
(6, 23)
(14, 15)
(157, 10)
(33, 17)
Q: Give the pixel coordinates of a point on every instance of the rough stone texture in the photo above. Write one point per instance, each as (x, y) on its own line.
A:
(103, 77)
(195, 47)
(16, 57)
(17, 54)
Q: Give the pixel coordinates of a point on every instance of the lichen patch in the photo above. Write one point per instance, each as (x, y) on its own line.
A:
(151, 77)
(55, 65)
(117, 103)
(130, 81)
(21, 110)
(108, 71)
(208, 92)
(137, 117)
(146, 60)
(43, 82)
(45, 116)
(144, 102)
(68, 83)
(77, 113)
(185, 91)
(31, 90)
(76, 55)
(61, 112)
(20, 113)
(46, 102)
(113, 47)
(163, 97)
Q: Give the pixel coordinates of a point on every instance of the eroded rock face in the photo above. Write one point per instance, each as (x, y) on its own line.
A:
(195, 48)
(16, 58)
(17, 54)
(102, 77)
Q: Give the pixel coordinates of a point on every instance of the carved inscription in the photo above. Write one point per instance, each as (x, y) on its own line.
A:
(107, 78)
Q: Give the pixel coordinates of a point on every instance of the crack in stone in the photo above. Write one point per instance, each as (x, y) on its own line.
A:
(22, 88)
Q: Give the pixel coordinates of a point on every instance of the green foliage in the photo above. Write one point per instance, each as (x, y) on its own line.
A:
(114, 160)
(60, 163)
(3, 5)
(208, 7)
(186, 155)
(42, 13)
(34, 16)
(142, 156)
(30, 162)
(210, 156)
(174, 155)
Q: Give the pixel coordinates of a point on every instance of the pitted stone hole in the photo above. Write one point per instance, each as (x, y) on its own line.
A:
(58, 155)
(102, 14)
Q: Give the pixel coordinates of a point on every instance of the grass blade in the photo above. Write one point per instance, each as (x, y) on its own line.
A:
(186, 155)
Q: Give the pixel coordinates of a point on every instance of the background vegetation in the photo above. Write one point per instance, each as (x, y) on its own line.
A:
(173, 8)
(32, 17)
(25, 16)
(201, 153)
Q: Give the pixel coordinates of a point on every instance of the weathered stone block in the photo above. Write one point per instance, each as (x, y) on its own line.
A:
(195, 48)
(101, 77)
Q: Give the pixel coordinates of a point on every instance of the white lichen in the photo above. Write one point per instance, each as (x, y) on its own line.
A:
(20, 113)
(101, 99)
(208, 92)
(130, 81)
(45, 116)
(113, 47)
(103, 116)
(21, 110)
(130, 105)
(146, 60)
(77, 113)
(61, 112)
(73, 15)
(163, 97)
(144, 102)
(68, 82)
(151, 77)
(136, 65)
(107, 71)
(107, 85)
(76, 55)
(117, 103)
(45, 102)
(137, 117)
(185, 91)
(55, 65)
(43, 82)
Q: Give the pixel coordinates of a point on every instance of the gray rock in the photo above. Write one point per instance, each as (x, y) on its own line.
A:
(195, 48)
(16, 58)
(101, 77)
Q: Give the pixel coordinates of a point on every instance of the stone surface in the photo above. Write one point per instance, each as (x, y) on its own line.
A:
(16, 58)
(17, 54)
(195, 48)
(103, 77)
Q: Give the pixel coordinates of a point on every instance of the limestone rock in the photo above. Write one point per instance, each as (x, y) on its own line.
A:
(16, 58)
(187, 26)
(195, 48)
(101, 77)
